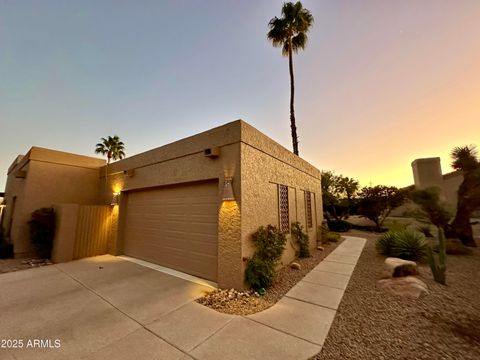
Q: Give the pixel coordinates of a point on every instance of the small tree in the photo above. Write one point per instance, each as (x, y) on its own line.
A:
(338, 195)
(377, 202)
(465, 158)
(435, 211)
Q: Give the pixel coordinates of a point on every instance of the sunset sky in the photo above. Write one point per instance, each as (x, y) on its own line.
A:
(380, 83)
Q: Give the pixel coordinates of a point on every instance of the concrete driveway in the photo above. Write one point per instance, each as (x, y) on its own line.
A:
(107, 307)
(97, 307)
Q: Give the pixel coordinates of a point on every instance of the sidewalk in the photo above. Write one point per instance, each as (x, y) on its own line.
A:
(294, 328)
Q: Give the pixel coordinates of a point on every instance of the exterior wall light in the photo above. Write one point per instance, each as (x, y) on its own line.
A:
(228, 190)
(115, 198)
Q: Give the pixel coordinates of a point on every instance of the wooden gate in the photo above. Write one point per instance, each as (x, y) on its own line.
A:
(94, 231)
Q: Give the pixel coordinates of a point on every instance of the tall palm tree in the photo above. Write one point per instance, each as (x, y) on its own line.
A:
(465, 158)
(290, 33)
(113, 148)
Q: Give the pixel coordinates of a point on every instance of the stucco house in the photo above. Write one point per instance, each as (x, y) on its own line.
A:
(427, 172)
(191, 205)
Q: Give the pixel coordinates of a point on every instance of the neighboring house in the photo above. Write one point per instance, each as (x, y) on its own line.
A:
(428, 172)
(191, 205)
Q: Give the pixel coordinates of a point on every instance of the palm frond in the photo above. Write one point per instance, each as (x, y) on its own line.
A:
(299, 42)
(465, 158)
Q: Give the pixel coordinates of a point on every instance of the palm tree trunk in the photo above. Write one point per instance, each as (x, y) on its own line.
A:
(293, 126)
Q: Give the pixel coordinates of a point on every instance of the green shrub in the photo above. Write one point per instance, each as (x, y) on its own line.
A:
(385, 243)
(270, 244)
(395, 225)
(339, 225)
(42, 231)
(301, 239)
(326, 235)
(259, 273)
(406, 244)
(6, 250)
(409, 245)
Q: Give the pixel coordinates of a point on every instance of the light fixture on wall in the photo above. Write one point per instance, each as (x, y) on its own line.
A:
(115, 198)
(228, 190)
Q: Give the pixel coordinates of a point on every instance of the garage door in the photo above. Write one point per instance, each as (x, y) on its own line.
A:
(176, 227)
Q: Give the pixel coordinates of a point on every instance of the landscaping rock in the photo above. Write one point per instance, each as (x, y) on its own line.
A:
(321, 248)
(296, 266)
(395, 267)
(408, 286)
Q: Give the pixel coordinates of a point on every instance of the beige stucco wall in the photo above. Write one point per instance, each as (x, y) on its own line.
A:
(52, 177)
(256, 163)
(264, 165)
(66, 216)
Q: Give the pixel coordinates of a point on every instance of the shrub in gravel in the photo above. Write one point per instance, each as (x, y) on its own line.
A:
(259, 273)
(42, 231)
(326, 235)
(409, 245)
(385, 242)
(406, 244)
(301, 239)
(339, 225)
(260, 269)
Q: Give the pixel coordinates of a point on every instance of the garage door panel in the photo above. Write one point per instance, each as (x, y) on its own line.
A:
(175, 227)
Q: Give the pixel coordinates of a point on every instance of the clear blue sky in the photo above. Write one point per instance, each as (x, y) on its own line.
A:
(380, 83)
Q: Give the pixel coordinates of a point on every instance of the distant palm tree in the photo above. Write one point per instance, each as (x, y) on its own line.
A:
(113, 148)
(465, 158)
(290, 33)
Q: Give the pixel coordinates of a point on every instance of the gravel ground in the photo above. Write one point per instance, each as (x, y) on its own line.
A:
(373, 325)
(246, 303)
(9, 265)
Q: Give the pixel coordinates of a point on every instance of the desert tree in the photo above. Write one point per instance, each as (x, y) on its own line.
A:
(465, 159)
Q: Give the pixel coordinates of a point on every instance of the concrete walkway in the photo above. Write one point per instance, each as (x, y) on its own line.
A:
(107, 307)
(295, 327)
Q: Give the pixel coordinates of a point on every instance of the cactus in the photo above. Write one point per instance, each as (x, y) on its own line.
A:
(438, 267)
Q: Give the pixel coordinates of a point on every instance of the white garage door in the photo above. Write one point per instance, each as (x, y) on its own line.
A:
(175, 226)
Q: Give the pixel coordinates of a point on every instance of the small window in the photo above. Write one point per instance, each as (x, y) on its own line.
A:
(283, 208)
(308, 206)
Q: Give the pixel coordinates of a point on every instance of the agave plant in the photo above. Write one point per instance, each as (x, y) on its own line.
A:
(385, 243)
(409, 245)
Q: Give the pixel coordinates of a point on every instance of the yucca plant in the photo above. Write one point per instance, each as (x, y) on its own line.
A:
(409, 245)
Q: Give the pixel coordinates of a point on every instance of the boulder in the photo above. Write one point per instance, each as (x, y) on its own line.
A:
(395, 267)
(408, 286)
(321, 248)
(295, 265)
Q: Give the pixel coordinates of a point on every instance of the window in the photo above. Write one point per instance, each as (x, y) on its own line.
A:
(283, 208)
(308, 208)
